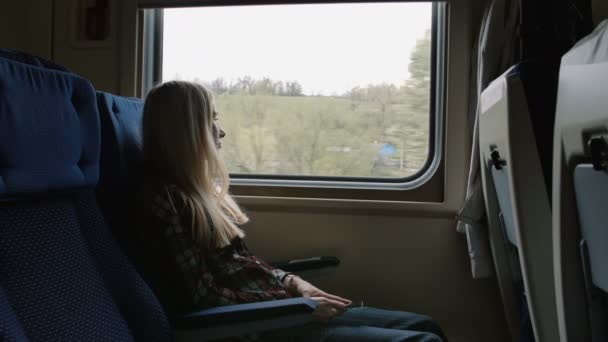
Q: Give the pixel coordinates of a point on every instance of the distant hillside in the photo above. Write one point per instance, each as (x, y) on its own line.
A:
(316, 135)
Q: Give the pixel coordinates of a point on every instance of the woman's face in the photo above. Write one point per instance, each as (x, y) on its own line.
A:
(218, 132)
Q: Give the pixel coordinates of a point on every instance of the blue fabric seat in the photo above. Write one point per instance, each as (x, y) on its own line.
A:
(120, 162)
(62, 276)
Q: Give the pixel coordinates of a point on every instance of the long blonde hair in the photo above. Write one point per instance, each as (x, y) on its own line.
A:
(179, 144)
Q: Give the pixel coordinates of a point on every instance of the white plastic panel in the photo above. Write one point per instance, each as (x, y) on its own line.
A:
(505, 126)
(503, 193)
(591, 188)
(581, 110)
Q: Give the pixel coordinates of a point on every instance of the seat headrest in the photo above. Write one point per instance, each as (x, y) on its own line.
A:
(121, 154)
(49, 130)
(27, 58)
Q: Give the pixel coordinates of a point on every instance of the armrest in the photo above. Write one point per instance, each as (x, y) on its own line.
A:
(242, 319)
(314, 263)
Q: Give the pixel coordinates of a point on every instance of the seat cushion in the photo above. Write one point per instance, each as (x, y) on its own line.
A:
(10, 328)
(52, 279)
(67, 280)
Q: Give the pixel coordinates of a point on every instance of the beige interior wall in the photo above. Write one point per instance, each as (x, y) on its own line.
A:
(109, 64)
(27, 25)
(47, 28)
(405, 263)
(600, 10)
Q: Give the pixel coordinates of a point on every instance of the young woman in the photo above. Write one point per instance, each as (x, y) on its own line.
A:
(196, 255)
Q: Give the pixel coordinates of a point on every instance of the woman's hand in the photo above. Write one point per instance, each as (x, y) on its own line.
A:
(306, 289)
(327, 309)
(328, 305)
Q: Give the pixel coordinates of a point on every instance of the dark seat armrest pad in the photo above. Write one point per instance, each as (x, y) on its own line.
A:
(309, 264)
(231, 314)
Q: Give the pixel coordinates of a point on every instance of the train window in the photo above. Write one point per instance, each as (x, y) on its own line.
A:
(343, 92)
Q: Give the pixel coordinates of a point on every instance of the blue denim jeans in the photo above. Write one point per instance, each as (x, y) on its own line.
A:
(364, 324)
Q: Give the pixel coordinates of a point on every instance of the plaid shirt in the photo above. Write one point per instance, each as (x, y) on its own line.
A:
(216, 277)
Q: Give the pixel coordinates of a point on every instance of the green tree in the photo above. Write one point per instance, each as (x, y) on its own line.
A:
(293, 88)
(414, 132)
(264, 86)
(218, 86)
(416, 89)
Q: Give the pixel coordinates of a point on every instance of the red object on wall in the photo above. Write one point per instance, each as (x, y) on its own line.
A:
(97, 21)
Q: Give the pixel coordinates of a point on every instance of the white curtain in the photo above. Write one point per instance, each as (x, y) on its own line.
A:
(495, 51)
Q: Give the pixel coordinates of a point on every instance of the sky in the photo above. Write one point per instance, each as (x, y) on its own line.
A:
(327, 48)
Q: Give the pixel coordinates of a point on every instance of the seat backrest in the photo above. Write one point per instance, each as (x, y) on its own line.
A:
(26, 58)
(120, 177)
(580, 190)
(62, 276)
(516, 116)
(121, 157)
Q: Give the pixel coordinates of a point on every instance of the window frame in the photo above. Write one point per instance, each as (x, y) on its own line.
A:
(153, 21)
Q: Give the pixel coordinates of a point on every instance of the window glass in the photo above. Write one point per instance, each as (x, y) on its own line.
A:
(338, 90)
